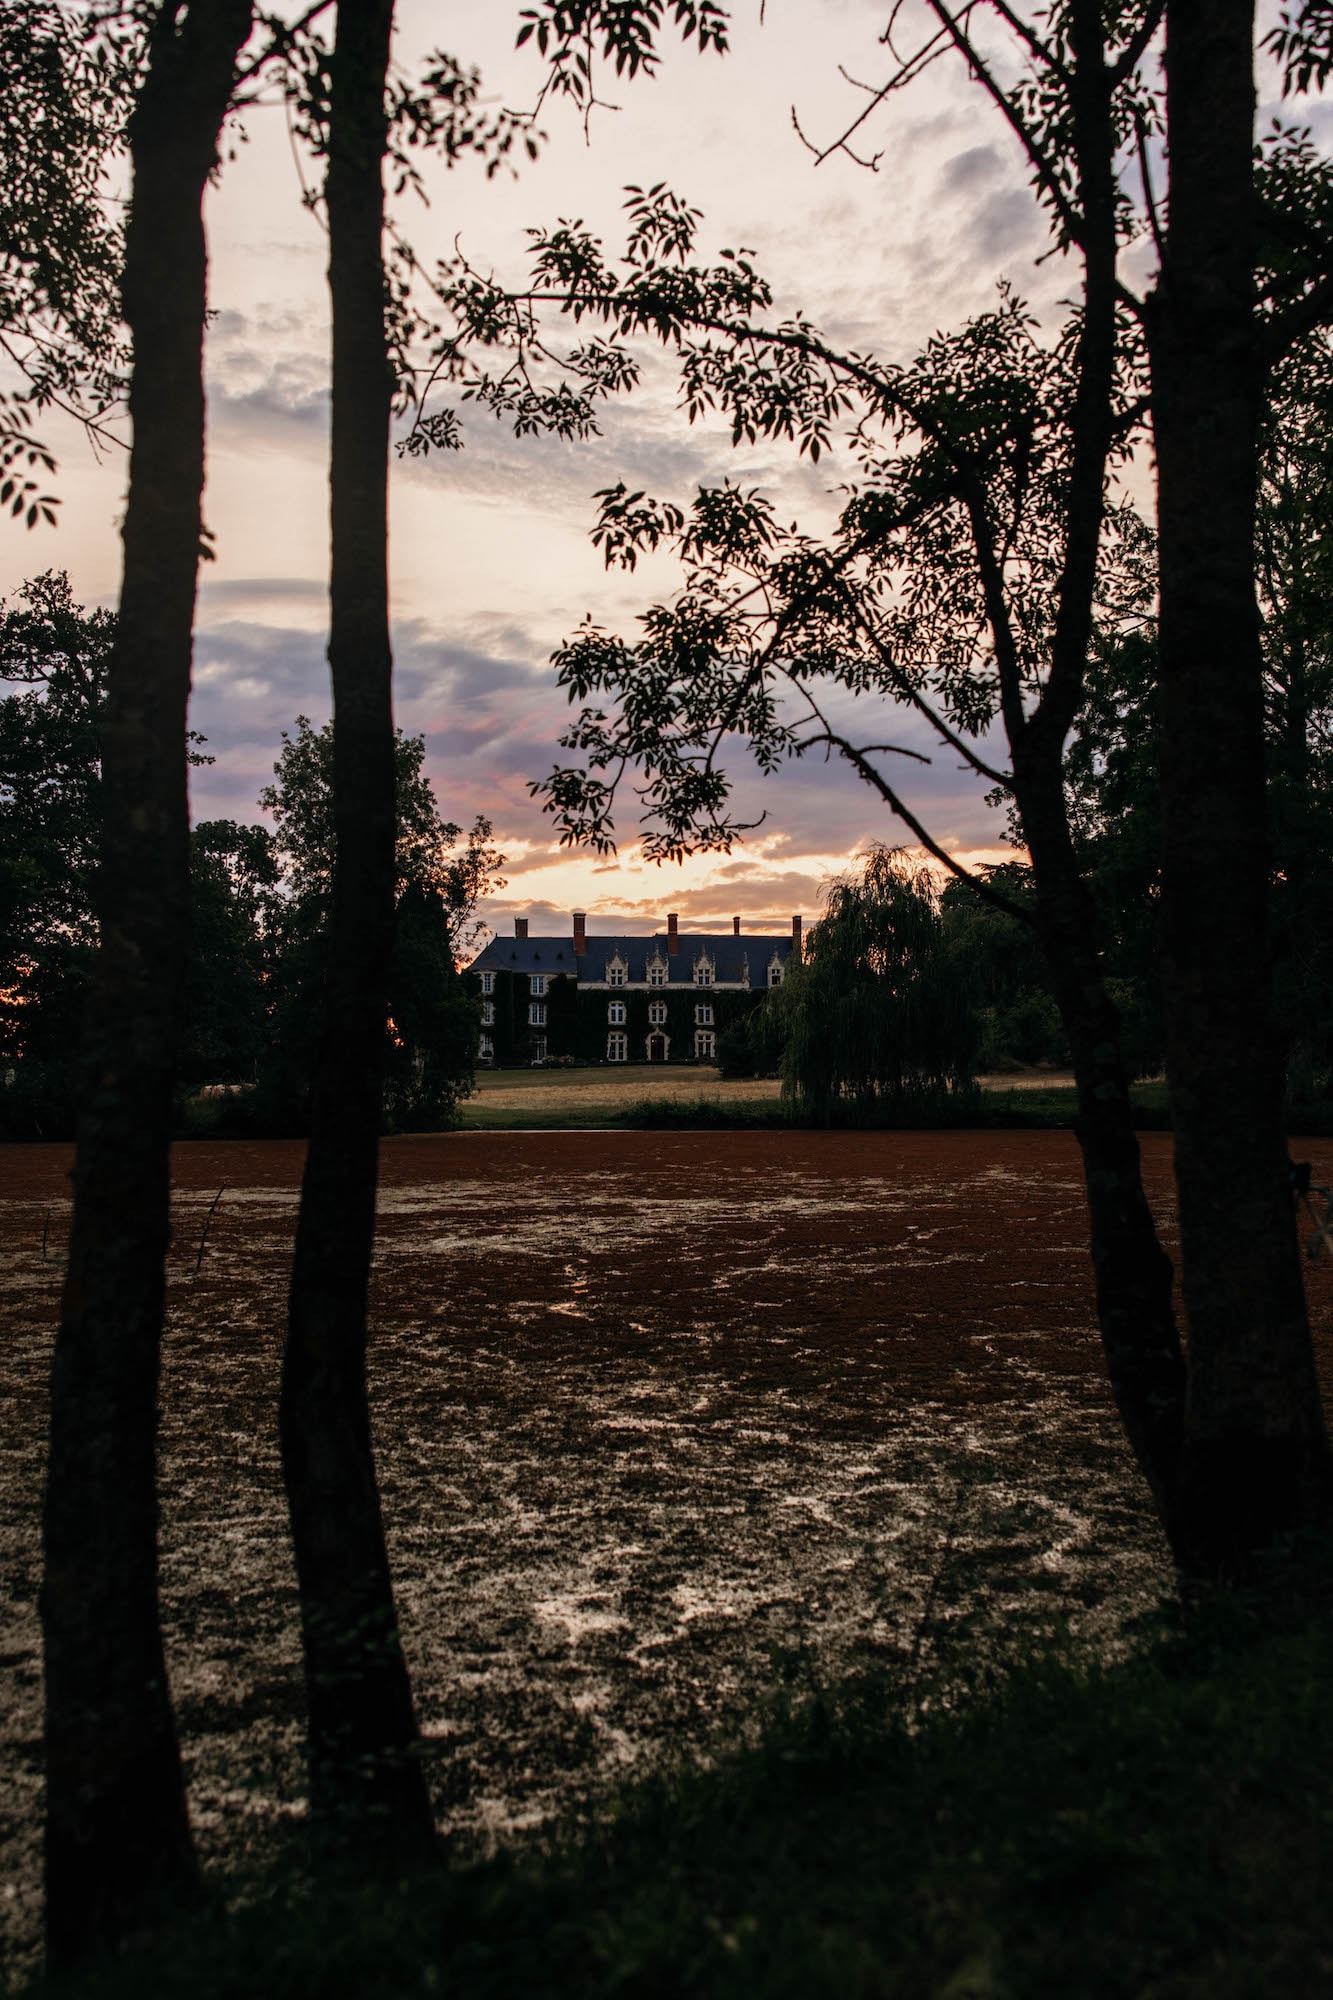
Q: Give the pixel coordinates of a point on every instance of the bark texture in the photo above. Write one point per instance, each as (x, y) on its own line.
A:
(1256, 1461)
(366, 1783)
(117, 1834)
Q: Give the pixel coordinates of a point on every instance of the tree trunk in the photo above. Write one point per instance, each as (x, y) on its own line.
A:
(366, 1784)
(1135, 1307)
(1256, 1461)
(117, 1834)
(1133, 1274)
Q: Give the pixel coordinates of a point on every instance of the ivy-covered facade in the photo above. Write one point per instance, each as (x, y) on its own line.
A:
(664, 998)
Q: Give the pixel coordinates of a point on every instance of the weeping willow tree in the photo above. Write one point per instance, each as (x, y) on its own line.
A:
(880, 1016)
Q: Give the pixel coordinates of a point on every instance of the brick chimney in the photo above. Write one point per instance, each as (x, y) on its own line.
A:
(796, 937)
(673, 935)
(520, 927)
(580, 933)
(735, 927)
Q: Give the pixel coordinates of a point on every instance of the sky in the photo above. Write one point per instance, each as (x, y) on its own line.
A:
(491, 565)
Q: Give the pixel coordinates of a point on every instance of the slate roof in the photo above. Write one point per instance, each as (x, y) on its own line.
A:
(553, 955)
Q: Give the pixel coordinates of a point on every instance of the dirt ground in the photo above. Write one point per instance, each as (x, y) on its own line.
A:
(663, 1418)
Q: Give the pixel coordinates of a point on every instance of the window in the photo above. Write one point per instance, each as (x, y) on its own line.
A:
(657, 1013)
(704, 1015)
(537, 983)
(539, 1048)
(704, 1045)
(536, 1013)
(657, 973)
(488, 982)
(615, 1013)
(615, 972)
(703, 972)
(617, 1048)
(487, 1050)
(775, 974)
(488, 1013)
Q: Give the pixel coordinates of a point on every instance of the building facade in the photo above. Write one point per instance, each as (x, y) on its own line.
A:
(659, 999)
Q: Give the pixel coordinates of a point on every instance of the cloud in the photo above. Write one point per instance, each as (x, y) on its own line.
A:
(978, 167)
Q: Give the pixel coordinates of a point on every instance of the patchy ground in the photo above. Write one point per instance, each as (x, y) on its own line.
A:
(660, 1417)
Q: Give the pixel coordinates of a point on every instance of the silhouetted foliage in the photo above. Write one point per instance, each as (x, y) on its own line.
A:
(879, 1013)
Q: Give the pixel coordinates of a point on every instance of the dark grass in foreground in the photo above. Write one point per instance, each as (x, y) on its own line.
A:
(1162, 1827)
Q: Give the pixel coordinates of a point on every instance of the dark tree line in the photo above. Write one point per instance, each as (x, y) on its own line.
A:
(259, 904)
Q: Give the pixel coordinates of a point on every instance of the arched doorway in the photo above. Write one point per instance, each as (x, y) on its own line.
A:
(657, 1048)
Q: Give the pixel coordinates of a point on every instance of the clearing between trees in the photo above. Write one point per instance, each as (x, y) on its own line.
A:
(662, 1418)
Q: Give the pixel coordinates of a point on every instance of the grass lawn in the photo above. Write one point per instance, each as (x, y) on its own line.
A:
(1158, 1828)
(634, 1094)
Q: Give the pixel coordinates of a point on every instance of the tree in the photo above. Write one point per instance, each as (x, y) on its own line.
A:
(879, 1015)
(366, 1781)
(50, 812)
(69, 85)
(437, 886)
(301, 804)
(977, 558)
(1074, 86)
(234, 967)
(117, 1833)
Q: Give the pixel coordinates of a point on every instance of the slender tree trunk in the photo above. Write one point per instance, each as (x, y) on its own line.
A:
(1135, 1306)
(1256, 1460)
(366, 1782)
(1133, 1274)
(117, 1834)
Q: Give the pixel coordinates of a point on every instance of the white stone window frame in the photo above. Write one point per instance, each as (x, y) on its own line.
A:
(703, 1014)
(486, 1048)
(488, 982)
(536, 1013)
(539, 1048)
(705, 1044)
(615, 1013)
(657, 1013)
(617, 1046)
(537, 984)
(657, 972)
(488, 1013)
(617, 972)
(775, 972)
(704, 972)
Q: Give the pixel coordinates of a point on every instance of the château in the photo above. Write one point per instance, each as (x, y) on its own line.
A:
(659, 999)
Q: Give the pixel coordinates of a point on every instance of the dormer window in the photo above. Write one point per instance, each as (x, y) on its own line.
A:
(616, 970)
(775, 972)
(657, 972)
(703, 971)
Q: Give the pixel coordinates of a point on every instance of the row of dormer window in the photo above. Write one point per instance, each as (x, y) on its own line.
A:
(617, 974)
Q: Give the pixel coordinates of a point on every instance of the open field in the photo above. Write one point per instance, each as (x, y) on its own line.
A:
(660, 1417)
(555, 1097)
